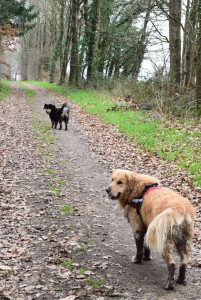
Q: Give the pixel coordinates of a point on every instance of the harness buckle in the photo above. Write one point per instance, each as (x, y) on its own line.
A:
(137, 202)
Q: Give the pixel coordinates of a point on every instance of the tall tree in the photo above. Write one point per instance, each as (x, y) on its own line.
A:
(106, 33)
(42, 47)
(84, 38)
(96, 44)
(190, 44)
(57, 52)
(74, 62)
(175, 43)
(66, 51)
(91, 37)
(198, 59)
(142, 43)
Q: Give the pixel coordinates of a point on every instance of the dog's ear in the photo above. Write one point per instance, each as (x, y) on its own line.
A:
(131, 180)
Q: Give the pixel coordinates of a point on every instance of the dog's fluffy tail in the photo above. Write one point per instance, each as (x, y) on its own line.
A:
(168, 224)
(66, 109)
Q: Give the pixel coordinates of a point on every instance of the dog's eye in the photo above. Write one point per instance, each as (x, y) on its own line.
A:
(119, 182)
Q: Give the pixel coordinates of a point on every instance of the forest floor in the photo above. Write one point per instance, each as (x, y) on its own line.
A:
(60, 237)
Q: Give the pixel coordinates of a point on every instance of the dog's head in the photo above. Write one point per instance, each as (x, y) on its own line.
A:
(48, 108)
(122, 184)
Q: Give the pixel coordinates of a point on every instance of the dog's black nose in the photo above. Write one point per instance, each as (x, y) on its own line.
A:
(108, 190)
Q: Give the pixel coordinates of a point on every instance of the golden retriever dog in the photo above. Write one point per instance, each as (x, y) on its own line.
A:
(157, 215)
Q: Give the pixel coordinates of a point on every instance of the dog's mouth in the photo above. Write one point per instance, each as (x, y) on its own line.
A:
(114, 197)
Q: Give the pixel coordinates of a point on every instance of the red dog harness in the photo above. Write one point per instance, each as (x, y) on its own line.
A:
(137, 202)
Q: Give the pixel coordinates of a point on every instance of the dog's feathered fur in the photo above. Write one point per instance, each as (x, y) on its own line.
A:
(58, 115)
(166, 219)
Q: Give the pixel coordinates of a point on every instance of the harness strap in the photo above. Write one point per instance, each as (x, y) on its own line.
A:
(137, 202)
(148, 189)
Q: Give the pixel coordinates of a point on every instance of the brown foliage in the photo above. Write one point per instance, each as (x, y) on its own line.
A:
(7, 42)
(2, 62)
(7, 30)
(7, 37)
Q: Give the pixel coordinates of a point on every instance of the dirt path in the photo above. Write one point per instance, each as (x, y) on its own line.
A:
(84, 252)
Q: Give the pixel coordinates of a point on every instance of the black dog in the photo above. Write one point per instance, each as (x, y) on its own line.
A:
(57, 115)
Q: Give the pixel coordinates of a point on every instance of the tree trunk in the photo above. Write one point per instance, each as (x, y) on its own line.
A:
(198, 66)
(74, 63)
(58, 46)
(191, 45)
(24, 58)
(85, 39)
(95, 53)
(175, 43)
(1, 56)
(1, 2)
(53, 61)
(61, 32)
(111, 67)
(65, 54)
(42, 55)
(91, 38)
(185, 38)
(141, 47)
(106, 12)
(117, 64)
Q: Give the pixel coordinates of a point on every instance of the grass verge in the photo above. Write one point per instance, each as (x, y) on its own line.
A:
(52, 86)
(168, 139)
(4, 89)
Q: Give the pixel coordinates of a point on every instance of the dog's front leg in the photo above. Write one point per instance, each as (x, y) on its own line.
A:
(138, 231)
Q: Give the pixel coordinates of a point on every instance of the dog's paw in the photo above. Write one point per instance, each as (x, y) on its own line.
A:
(181, 281)
(136, 260)
(147, 257)
(169, 285)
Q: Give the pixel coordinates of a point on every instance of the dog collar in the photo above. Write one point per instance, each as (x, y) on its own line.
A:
(137, 202)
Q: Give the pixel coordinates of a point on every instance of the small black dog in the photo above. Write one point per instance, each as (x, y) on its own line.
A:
(57, 115)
